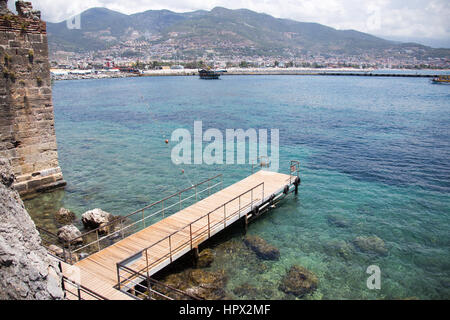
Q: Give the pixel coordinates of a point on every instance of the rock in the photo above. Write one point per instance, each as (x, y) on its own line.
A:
(340, 248)
(55, 250)
(69, 232)
(262, 248)
(198, 282)
(338, 221)
(208, 285)
(65, 255)
(371, 244)
(246, 290)
(27, 272)
(95, 218)
(83, 255)
(299, 281)
(64, 216)
(205, 258)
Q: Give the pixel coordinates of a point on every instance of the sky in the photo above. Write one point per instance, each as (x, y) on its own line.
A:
(423, 21)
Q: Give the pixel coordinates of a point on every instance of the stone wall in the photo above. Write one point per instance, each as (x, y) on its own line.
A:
(27, 132)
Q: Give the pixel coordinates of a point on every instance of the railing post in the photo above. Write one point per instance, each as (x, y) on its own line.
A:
(262, 199)
(179, 196)
(209, 190)
(251, 203)
(146, 263)
(79, 292)
(143, 217)
(195, 193)
(239, 207)
(190, 232)
(98, 241)
(70, 254)
(170, 248)
(162, 207)
(209, 227)
(64, 253)
(118, 275)
(224, 216)
(121, 228)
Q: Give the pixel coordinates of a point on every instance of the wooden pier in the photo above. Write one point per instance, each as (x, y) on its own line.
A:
(114, 272)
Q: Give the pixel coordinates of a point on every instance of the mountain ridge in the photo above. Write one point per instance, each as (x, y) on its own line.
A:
(224, 31)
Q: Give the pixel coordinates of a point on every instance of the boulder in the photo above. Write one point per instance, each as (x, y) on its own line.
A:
(69, 232)
(95, 218)
(340, 248)
(64, 216)
(371, 244)
(299, 281)
(262, 248)
(207, 285)
(338, 221)
(246, 290)
(65, 255)
(205, 258)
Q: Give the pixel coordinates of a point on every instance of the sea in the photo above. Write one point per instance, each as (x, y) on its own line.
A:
(374, 158)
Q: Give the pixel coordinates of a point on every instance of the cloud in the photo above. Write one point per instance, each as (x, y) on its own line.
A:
(391, 19)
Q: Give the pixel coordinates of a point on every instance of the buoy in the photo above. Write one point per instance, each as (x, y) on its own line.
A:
(182, 171)
(167, 141)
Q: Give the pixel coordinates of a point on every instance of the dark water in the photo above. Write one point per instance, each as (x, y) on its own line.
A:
(374, 152)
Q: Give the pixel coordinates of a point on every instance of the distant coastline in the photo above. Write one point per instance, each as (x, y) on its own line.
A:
(77, 75)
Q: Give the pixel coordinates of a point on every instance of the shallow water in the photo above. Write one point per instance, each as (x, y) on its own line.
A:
(374, 151)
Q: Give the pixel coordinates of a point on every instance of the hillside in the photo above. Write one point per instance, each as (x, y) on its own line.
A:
(220, 32)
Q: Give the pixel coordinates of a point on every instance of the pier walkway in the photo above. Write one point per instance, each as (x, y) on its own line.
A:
(116, 270)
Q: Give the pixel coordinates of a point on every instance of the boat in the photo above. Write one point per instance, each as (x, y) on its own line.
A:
(441, 79)
(209, 74)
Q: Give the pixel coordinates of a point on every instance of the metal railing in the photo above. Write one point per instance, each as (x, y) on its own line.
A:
(147, 288)
(190, 235)
(79, 292)
(125, 225)
(294, 170)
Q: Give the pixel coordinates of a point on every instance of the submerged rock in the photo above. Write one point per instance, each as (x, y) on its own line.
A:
(69, 232)
(205, 258)
(246, 290)
(207, 284)
(299, 281)
(371, 244)
(262, 248)
(200, 283)
(95, 218)
(340, 248)
(338, 221)
(64, 216)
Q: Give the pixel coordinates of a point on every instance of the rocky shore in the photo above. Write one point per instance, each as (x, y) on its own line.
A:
(26, 271)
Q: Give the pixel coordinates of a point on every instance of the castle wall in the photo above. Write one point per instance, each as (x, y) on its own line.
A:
(27, 132)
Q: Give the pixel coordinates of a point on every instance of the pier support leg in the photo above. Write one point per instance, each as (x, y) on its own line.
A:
(195, 255)
(245, 220)
(296, 184)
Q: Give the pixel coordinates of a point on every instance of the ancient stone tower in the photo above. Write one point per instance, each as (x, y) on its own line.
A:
(27, 132)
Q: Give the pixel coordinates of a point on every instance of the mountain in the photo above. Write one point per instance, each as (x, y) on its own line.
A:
(219, 32)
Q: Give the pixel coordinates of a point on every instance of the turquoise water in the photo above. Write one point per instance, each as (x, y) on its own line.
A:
(373, 151)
